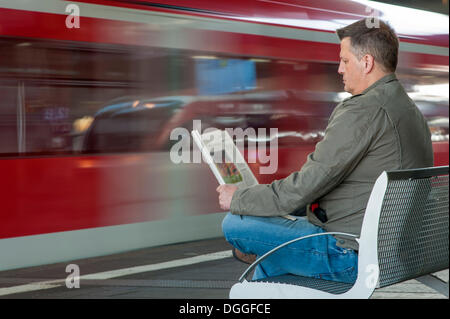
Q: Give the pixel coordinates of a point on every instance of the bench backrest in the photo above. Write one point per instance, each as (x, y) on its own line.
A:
(413, 230)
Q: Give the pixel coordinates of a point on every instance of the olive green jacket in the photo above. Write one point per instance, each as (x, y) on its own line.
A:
(379, 129)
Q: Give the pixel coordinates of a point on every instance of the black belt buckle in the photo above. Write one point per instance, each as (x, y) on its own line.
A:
(320, 214)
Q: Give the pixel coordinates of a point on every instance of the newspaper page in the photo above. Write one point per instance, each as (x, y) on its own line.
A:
(225, 160)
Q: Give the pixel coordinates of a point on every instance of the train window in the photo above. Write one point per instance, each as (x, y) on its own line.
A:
(91, 98)
(56, 116)
(64, 97)
(66, 88)
(8, 118)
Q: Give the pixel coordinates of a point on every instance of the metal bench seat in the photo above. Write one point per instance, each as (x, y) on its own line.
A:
(332, 287)
(404, 235)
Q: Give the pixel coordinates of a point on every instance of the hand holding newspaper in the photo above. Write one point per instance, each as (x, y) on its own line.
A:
(225, 160)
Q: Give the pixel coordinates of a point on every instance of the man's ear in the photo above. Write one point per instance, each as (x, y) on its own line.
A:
(368, 63)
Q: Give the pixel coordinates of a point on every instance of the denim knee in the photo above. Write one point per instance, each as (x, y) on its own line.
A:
(229, 224)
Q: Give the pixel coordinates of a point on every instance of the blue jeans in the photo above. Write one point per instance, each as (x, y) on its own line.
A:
(317, 257)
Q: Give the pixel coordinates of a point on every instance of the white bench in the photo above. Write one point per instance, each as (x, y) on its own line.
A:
(404, 235)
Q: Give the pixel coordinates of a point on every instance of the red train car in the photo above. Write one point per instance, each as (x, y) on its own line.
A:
(92, 90)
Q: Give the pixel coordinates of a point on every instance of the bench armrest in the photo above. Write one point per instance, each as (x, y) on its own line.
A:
(257, 261)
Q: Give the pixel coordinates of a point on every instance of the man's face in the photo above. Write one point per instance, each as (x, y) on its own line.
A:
(351, 69)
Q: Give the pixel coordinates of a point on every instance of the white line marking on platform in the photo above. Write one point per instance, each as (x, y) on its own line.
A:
(163, 265)
(118, 272)
(31, 287)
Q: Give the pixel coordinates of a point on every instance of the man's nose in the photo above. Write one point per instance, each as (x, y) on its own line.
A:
(341, 69)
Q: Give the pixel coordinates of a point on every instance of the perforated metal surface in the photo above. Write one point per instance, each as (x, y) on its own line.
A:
(333, 287)
(413, 232)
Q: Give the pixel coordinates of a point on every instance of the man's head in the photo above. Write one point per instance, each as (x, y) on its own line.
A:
(367, 54)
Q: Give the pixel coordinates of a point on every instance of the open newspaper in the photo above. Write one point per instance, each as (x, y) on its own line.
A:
(223, 157)
(225, 160)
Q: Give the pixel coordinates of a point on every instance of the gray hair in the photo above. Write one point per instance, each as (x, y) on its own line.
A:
(381, 42)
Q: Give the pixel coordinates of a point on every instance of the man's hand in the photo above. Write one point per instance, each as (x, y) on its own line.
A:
(225, 195)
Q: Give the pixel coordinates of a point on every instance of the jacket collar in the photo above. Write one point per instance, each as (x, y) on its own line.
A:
(385, 79)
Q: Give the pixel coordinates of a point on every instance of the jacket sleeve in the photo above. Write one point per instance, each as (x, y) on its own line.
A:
(346, 141)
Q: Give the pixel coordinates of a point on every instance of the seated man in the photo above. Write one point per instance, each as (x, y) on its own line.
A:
(378, 128)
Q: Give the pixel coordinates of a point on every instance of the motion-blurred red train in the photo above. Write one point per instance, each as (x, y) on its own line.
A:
(91, 91)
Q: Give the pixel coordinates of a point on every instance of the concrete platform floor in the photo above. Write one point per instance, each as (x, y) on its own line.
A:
(194, 270)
